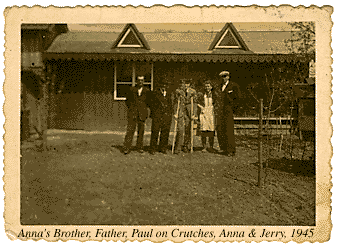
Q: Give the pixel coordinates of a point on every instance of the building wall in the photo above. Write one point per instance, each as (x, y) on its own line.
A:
(83, 98)
(83, 95)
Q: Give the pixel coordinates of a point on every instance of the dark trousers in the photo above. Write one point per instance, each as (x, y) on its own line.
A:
(210, 135)
(180, 133)
(130, 131)
(225, 134)
(187, 137)
(183, 133)
(161, 124)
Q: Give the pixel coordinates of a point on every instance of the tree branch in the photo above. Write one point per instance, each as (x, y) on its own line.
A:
(253, 95)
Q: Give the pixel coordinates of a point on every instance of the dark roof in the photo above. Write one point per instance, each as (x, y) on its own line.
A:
(260, 42)
(257, 46)
(35, 26)
(61, 28)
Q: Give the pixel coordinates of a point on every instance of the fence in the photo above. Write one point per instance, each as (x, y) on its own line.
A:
(280, 142)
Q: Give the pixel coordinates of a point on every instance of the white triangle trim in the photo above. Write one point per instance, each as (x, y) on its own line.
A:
(223, 36)
(120, 44)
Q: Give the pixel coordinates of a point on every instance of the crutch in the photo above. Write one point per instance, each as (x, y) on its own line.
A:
(175, 127)
(192, 125)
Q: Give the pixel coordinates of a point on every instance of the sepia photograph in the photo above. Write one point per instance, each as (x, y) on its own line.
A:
(174, 124)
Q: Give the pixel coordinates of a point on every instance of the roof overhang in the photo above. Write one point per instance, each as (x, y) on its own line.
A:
(256, 58)
(35, 26)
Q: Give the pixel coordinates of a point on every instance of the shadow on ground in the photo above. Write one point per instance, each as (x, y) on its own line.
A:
(296, 166)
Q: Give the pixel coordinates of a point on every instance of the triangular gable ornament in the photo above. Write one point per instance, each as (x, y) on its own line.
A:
(228, 38)
(130, 37)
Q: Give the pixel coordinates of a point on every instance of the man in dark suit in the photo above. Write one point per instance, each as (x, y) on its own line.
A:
(161, 114)
(224, 120)
(137, 102)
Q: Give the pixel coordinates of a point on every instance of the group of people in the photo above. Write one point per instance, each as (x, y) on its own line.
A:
(211, 108)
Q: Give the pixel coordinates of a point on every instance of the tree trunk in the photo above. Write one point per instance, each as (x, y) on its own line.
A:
(44, 114)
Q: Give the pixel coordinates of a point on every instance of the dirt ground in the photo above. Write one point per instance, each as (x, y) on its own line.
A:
(85, 179)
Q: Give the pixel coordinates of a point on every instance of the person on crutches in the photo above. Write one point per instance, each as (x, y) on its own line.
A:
(179, 127)
(189, 116)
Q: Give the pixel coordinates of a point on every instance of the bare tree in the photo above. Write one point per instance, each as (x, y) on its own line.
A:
(276, 88)
(302, 39)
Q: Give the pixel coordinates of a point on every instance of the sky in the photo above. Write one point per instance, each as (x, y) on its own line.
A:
(182, 27)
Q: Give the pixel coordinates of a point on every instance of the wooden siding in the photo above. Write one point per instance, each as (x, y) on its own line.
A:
(66, 111)
(88, 111)
(102, 112)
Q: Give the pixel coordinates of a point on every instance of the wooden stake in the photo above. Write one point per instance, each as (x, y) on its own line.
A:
(281, 143)
(281, 135)
(260, 145)
(192, 125)
(175, 127)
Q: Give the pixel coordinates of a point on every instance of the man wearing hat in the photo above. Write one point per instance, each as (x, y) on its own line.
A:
(161, 113)
(224, 119)
(137, 100)
(184, 115)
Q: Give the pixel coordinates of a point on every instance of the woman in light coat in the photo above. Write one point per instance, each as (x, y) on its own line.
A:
(207, 125)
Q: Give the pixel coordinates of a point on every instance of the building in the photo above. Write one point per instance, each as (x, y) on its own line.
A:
(35, 39)
(91, 71)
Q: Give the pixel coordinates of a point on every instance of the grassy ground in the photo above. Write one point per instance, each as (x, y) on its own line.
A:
(85, 179)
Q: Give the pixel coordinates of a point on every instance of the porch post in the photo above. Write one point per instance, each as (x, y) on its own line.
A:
(134, 79)
(152, 86)
(44, 106)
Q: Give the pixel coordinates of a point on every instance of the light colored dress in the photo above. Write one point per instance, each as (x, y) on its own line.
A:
(207, 115)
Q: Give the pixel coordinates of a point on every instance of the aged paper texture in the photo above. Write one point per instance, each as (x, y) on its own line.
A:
(240, 99)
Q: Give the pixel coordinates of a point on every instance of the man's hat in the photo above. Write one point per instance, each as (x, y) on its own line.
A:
(208, 82)
(166, 81)
(223, 73)
(140, 77)
(184, 81)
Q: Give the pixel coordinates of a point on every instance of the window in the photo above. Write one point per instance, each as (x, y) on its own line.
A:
(31, 59)
(126, 74)
(145, 69)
